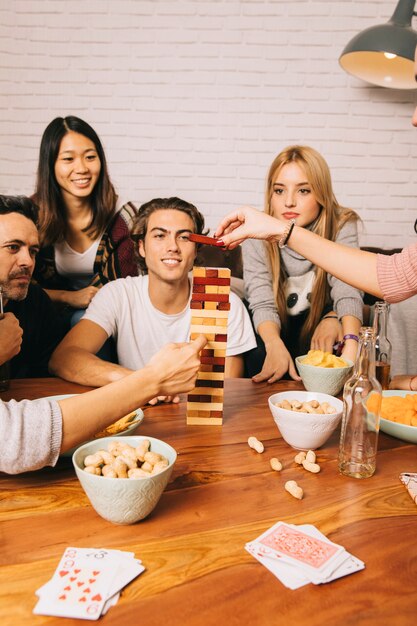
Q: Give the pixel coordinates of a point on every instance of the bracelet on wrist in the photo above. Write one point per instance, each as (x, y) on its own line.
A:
(410, 381)
(350, 336)
(329, 317)
(283, 240)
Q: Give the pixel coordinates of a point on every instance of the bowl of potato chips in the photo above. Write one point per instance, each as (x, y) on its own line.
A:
(323, 371)
(122, 427)
(399, 414)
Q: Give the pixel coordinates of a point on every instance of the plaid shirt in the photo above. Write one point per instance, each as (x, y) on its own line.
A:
(115, 256)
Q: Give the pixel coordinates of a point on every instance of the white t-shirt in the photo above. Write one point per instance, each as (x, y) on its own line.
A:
(78, 267)
(124, 310)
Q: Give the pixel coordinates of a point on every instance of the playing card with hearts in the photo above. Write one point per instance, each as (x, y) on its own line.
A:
(86, 582)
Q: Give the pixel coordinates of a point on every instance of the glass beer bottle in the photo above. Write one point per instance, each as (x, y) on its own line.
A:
(4, 367)
(362, 397)
(383, 347)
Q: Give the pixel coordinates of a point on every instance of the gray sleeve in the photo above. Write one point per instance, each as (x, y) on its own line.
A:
(258, 283)
(346, 299)
(30, 435)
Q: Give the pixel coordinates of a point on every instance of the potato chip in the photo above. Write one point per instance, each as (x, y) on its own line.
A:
(314, 357)
(400, 409)
(326, 360)
(319, 358)
(117, 427)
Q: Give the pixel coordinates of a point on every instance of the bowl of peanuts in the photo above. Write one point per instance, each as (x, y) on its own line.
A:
(399, 414)
(305, 419)
(124, 478)
(324, 372)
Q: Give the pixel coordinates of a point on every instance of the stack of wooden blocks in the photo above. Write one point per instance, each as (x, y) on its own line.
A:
(209, 314)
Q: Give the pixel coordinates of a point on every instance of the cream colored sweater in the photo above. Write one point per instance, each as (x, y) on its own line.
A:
(30, 435)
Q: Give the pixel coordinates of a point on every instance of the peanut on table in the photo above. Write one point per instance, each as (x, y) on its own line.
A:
(306, 459)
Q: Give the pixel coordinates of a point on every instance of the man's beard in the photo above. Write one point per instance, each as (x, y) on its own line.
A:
(16, 292)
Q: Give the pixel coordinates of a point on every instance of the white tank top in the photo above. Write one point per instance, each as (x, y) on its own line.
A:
(77, 267)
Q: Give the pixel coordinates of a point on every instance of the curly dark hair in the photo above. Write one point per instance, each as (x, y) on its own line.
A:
(140, 222)
(19, 204)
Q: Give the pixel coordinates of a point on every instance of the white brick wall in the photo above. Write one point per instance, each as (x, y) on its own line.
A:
(195, 98)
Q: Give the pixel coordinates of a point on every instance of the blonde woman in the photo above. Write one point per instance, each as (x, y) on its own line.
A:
(296, 305)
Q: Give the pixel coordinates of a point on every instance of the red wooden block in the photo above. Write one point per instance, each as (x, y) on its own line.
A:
(207, 352)
(220, 337)
(197, 398)
(196, 305)
(224, 306)
(209, 241)
(211, 272)
(199, 280)
(204, 413)
(198, 288)
(211, 297)
(219, 369)
(213, 360)
(214, 384)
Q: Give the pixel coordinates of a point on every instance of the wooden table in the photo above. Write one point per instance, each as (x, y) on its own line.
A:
(221, 495)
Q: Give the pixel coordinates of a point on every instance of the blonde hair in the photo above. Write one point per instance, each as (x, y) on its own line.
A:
(331, 218)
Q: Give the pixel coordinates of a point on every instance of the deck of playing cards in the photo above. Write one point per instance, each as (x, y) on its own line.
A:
(298, 555)
(87, 582)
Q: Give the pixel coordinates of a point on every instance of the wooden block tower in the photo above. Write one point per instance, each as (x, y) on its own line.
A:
(209, 313)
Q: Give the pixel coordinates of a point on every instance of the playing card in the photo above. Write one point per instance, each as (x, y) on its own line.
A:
(126, 571)
(86, 582)
(317, 558)
(293, 572)
(350, 565)
(288, 574)
(409, 479)
(110, 602)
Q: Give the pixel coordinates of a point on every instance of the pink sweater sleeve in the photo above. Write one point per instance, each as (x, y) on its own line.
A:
(397, 274)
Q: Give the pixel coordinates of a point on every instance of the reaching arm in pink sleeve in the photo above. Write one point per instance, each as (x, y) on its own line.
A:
(397, 274)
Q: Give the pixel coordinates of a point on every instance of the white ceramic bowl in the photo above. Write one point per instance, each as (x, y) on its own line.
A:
(401, 431)
(328, 380)
(133, 424)
(123, 500)
(305, 431)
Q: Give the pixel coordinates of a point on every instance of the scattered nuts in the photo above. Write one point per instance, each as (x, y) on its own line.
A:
(300, 457)
(255, 444)
(275, 464)
(311, 456)
(314, 468)
(292, 488)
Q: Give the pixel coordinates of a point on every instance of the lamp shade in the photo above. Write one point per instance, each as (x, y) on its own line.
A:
(384, 55)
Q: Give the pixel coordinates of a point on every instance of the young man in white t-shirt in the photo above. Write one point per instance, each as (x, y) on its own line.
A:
(143, 313)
